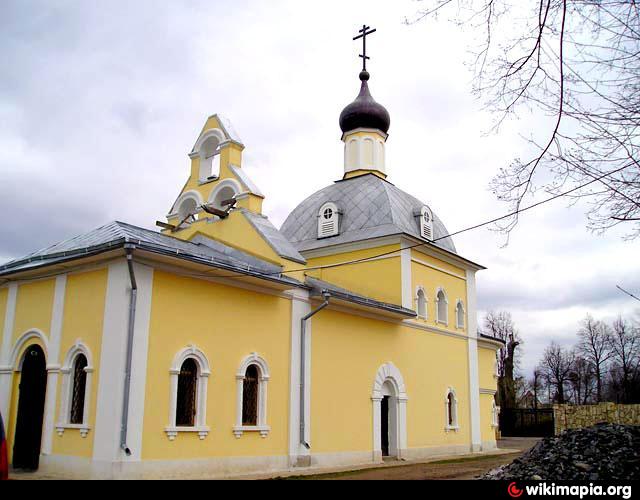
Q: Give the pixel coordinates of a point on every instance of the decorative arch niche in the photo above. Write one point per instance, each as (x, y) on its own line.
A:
(389, 382)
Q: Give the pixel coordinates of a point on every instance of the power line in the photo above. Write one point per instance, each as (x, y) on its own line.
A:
(467, 229)
(628, 293)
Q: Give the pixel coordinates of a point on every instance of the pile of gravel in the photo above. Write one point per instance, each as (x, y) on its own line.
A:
(602, 452)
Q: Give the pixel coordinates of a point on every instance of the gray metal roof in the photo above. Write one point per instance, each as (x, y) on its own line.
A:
(115, 234)
(273, 237)
(371, 207)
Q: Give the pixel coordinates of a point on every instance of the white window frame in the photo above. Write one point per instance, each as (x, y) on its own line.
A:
(67, 390)
(264, 375)
(444, 322)
(495, 415)
(335, 220)
(460, 307)
(455, 425)
(425, 302)
(200, 427)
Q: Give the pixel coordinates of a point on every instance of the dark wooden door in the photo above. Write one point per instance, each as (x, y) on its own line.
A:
(33, 385)
(384, 425)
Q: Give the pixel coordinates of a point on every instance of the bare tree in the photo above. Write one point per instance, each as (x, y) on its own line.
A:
(582, 380)
(594, 345)
(500, 325)
(575, 63)
(626, 356)
(556, 365)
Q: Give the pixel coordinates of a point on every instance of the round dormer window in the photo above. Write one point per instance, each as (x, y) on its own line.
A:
(328, 213)
(427, 217)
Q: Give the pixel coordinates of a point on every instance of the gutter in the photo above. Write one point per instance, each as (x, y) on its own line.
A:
(303, 368)
(130, 331)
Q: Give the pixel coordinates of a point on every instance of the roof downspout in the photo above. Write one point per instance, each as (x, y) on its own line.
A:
(127, 374)
(303, 368)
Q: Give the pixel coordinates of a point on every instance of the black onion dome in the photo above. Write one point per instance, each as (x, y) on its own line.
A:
(364, 112)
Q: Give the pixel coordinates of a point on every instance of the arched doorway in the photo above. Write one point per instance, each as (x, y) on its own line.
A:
(389, 400)
(389, 421)
(33, 386)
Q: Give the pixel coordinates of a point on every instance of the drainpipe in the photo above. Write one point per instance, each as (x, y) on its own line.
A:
(303, 367)
(127, 373)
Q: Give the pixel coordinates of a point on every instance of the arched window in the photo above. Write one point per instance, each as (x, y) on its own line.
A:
(421, 300)
(76, 390)
(79, 388)
(459, 314)
(187, 207)
(186, 399)
(451, 410)
(426, 223)
(250, 391)
(442, 307)
(251, 385)
(189, 376)
(208, 148)
(328, 220)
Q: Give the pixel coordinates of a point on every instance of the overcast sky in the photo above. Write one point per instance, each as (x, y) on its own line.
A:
(100, 103)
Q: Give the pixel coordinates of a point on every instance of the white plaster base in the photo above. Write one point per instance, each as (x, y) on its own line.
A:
(220, 467)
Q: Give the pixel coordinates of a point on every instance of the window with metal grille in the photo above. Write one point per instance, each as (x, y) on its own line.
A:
(186, 400)
(79, 386)
(250, 396)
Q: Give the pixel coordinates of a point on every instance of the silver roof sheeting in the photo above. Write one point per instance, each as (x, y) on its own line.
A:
(201, 250)
(371, 207)
(273, 237)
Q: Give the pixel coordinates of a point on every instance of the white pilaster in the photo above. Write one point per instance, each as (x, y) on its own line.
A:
(405, 263)
(6, 371)
(53, 363)
(144, 279)
(300, 307)
(106, 444)
(474, 384)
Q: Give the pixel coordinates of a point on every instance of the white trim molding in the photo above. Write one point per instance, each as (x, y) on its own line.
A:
(444, 322)
(15, 360)
(263, 372)
(191, 352)
(451, 420)
(388, 374)
(187, 195)
(67, 390)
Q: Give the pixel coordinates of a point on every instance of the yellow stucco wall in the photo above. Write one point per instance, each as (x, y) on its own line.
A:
(487, 431)
(486, 368)
(82, 321)
(347, 353)
(377, 279)
(227, 324)
(426, 273)
(34, 305)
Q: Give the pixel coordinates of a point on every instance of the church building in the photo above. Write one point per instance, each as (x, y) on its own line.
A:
(223, 345)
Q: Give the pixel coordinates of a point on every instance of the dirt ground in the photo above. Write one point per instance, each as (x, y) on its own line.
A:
(454, 468)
